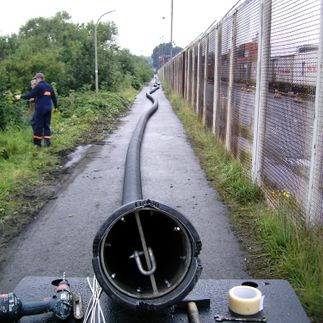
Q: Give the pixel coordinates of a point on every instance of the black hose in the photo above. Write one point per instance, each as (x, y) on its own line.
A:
(132, 189)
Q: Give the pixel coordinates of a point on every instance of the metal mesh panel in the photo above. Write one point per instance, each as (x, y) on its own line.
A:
(315, 206)
(244, 87)
(221, 117)
(210, 78)
(171, 80)
(199, 85)
(195, 71)
(179, 74)
(203, 48)
(183, 74)
(267, 109)
(176, 74)
(318, 207)
(289, 112)
(190, 75)
(319, 202)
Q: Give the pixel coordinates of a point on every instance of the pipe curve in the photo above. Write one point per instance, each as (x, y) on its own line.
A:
(145, 255)
(132, 189)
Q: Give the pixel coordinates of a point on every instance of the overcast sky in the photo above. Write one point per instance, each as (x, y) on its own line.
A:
(140, 23)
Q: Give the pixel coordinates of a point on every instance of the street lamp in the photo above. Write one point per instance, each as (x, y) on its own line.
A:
(96, 51)
(171, 31)
(163, 51)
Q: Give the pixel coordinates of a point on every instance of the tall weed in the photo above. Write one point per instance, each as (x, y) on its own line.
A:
(22, 164)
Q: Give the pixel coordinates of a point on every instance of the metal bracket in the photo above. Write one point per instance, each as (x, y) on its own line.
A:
(137, 255)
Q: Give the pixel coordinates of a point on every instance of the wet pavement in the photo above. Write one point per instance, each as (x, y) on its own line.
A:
(60, 238)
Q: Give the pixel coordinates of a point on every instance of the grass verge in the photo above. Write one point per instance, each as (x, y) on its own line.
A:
(28, 175)
(277, 247)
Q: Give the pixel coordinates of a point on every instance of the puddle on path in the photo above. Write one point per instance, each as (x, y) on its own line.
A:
(77, 155)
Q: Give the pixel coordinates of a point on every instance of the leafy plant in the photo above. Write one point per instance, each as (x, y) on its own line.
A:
(67, 56)
(22, 165)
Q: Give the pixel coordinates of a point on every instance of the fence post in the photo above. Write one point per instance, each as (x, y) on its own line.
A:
(183, 73)
(171, 70)
(197, 70)
(176, 73)
(192, 67)
(187, 73)
(206, 49)
(314, 195)
(193, 78)
(179, 74)
(163, 73)
(231, 82)
(263, 64)
(187, 80)
(217, 75)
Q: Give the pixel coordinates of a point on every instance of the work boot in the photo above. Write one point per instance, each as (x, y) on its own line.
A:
(47, 142)
(37, 142)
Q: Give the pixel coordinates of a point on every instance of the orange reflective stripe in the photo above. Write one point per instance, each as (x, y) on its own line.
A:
(47, 93)
(47, 137)
(38, 137)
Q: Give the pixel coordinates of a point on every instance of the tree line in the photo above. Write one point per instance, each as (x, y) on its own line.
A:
(64, 52)
(163, 53)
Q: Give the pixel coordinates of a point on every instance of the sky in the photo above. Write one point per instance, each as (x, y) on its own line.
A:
(142, 24)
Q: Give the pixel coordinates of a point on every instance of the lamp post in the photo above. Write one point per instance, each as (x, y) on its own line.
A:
(96, 51)
(163, 51)
(171, 31)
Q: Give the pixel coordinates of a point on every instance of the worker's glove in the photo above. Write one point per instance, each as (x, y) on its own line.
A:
(17, 97)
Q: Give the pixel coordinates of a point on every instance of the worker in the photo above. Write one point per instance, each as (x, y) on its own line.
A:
(32, 103)
(44, 95)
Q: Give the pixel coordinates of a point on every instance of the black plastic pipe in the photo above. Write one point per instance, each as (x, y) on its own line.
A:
(132, 189)
(145, 255)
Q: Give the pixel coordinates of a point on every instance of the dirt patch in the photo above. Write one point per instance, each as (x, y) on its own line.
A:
(28, 206)
(33, 198)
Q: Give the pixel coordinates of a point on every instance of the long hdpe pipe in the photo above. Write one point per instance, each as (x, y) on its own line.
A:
(145, 255)
(132, 189)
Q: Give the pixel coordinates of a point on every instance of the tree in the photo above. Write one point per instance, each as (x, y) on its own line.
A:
(162, 53)
(64, 52)
(7, 46)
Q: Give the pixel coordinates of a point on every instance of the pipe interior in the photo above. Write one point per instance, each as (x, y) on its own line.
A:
(170, 244)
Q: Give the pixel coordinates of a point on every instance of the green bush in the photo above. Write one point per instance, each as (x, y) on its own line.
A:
(22, 164)
(136, 83)
(12, 112)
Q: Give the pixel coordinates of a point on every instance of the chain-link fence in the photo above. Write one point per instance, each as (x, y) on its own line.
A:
(255, 79)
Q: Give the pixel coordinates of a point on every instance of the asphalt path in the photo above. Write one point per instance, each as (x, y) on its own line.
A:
(60, 238)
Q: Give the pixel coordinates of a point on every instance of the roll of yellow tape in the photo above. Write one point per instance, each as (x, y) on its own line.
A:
(245, 300)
